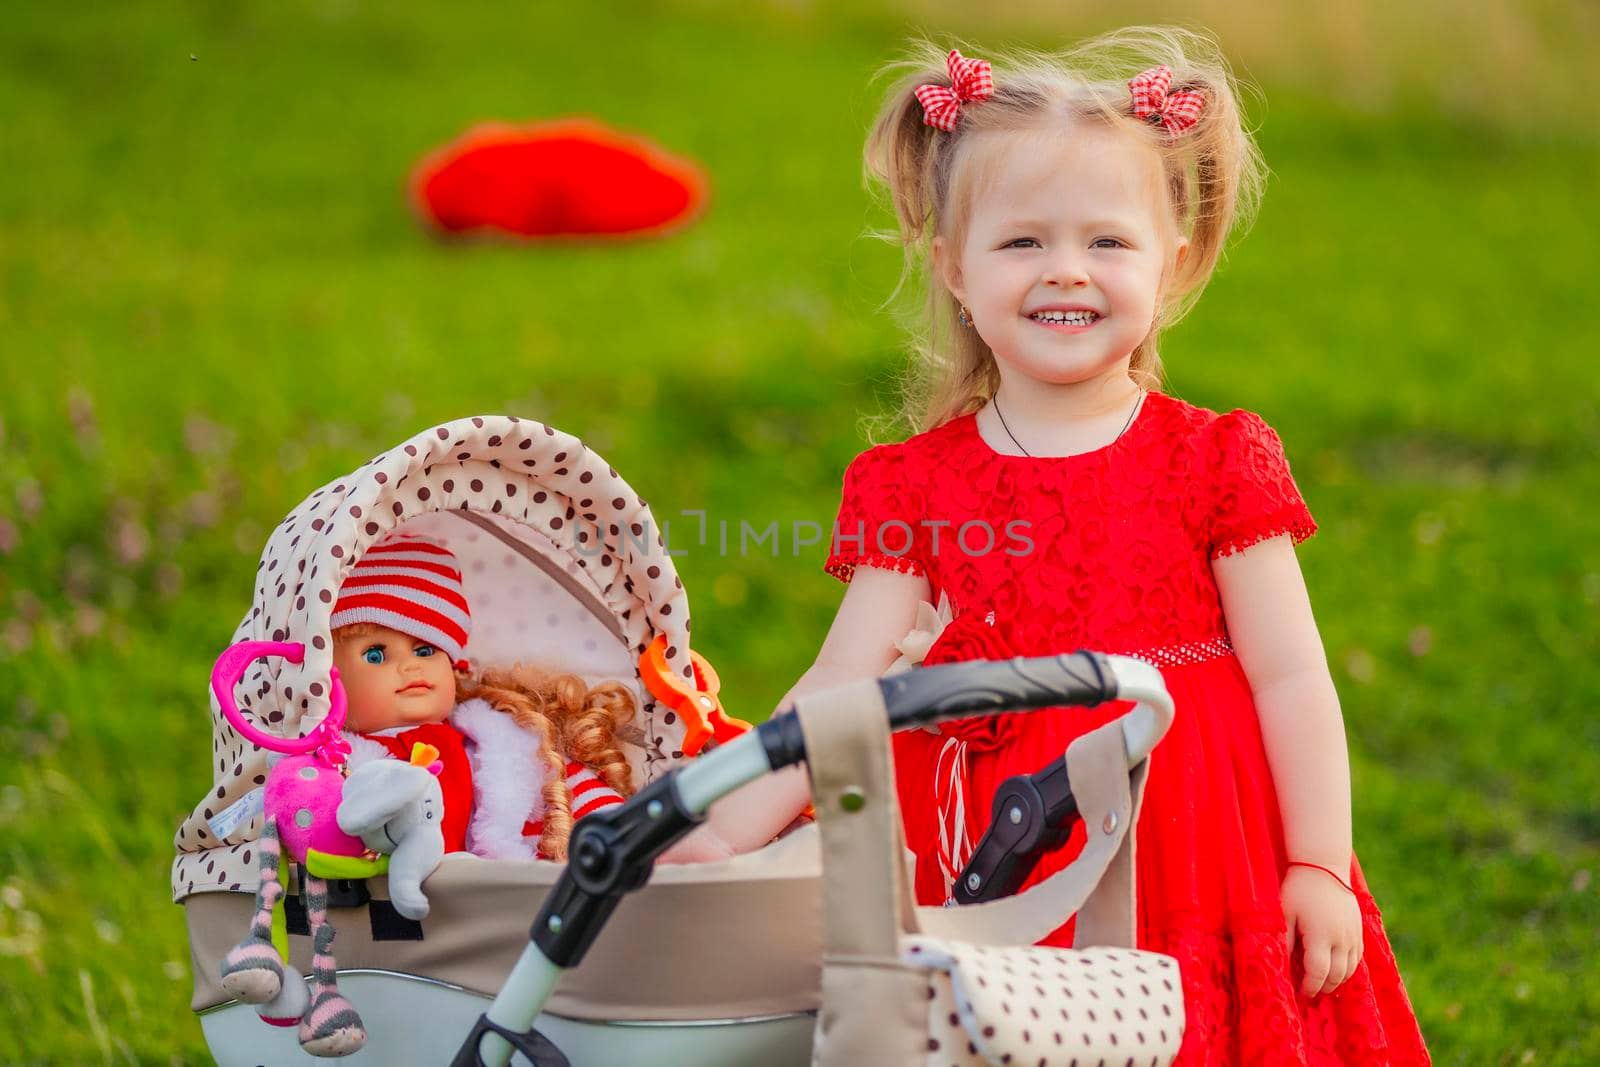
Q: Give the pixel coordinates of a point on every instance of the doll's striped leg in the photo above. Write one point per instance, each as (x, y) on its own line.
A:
(252, 970)
(330, 1026)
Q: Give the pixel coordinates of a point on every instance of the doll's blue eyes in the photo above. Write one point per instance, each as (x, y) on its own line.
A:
(376, 655)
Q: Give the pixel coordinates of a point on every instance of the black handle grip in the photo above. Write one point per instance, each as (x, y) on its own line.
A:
(956, 690)
(929, 695)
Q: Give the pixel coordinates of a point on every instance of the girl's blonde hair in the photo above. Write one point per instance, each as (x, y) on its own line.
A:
(1213, 177)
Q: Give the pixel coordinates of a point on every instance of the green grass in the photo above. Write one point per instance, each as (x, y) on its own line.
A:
(212, 300)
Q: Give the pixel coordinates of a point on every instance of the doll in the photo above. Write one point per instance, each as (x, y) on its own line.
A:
(525, 750)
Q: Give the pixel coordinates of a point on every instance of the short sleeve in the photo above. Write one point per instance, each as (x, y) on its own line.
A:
(1252, 494)
(879, 517)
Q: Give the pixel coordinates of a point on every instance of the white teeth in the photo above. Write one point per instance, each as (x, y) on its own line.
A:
(1070, 318)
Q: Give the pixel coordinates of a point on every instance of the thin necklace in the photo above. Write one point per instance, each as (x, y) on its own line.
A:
(995, 400)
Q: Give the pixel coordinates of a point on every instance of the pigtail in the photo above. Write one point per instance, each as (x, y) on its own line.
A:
(901, 150)
(589, 726)
(911, 161)
(1228, 176)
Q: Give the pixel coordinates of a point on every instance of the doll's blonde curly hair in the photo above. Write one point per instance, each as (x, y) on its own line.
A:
(572, 721)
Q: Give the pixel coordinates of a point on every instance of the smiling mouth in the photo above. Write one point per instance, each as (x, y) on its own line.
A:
(1066, 318)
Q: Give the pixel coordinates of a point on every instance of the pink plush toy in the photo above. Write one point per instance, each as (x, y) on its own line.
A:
(306, 797)
(310, 784)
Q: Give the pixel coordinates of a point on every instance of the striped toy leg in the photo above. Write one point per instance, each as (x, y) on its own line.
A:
(331, 1025)
(252, 970)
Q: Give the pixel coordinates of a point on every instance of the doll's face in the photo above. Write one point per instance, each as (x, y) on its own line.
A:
(392, 679)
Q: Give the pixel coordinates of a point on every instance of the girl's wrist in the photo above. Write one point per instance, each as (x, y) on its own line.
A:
(1329, 871)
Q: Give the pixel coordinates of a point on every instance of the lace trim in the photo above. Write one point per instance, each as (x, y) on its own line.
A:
(844, 567)
(1298, 524)
(1186, 654)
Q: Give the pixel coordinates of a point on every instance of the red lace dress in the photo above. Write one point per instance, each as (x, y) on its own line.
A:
(1111, 550)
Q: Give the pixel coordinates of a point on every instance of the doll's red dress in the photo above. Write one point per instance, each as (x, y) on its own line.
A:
(1111, 550)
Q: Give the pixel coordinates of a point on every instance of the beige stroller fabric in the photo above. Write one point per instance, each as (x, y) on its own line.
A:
(738, 939)
(534, 516)
(904, 985)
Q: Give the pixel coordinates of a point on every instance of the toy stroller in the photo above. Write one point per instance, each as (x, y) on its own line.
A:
(716, 963)
(842, 735)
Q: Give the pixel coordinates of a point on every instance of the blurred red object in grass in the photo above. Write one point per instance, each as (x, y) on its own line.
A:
(566, 178)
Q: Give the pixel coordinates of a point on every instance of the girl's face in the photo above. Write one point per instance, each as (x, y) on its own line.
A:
(392, 679)
(1065, 253)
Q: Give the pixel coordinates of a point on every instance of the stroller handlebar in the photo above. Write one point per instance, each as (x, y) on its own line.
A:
(933, 694)
(930, 695)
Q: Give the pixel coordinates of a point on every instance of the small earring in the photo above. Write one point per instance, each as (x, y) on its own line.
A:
(962, 316)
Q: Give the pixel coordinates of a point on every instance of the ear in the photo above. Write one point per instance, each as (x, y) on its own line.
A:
(378, 791)
(1182, 254)
(947, 268)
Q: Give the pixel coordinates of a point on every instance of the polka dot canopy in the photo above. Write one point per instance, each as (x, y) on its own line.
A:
(563, 564)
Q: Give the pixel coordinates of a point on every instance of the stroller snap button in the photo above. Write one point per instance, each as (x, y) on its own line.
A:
(1110, 824)
(852, 798)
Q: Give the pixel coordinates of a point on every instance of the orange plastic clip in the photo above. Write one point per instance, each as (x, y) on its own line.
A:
(698, 705)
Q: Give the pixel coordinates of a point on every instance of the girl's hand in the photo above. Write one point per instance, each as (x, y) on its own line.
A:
(701, 845)
(1327, 920)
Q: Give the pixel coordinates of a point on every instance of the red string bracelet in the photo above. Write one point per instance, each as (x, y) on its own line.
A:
(1326, 871)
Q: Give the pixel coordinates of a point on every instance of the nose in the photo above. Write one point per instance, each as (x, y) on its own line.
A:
(1065, 270)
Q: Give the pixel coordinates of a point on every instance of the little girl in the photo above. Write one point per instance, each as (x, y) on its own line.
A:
(1070, 208)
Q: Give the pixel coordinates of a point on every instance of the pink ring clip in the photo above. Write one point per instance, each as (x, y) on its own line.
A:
(229, 670)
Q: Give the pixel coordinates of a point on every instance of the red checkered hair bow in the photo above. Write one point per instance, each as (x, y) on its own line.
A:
(1152, 102)
(970, 79)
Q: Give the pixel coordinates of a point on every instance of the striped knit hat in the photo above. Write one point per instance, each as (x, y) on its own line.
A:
(412, 585)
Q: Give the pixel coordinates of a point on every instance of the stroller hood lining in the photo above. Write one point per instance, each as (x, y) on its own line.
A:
(542, 553)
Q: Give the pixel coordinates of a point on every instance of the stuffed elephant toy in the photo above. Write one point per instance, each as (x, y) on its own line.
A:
(397, 808)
